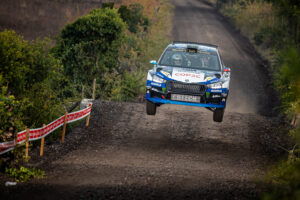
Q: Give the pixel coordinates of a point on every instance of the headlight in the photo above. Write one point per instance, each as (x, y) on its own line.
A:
(215, 85)
(158, 79)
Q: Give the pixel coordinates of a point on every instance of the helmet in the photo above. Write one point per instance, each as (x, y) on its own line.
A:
(205, 61)
(177, 59)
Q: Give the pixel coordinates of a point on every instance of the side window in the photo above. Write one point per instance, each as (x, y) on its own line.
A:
(166, 59)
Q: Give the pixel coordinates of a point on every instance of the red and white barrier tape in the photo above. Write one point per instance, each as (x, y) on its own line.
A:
(38, 133)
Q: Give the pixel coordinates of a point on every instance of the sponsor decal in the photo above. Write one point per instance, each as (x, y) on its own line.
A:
(156, 84)
(216, 90)
(186, 70)
(182, 74)
(204, 52)
(209, 78)
(215, 81)
(178, 49)
(165, 73)
(157, 74)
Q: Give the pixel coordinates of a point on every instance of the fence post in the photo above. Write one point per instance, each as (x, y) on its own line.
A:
(16, 138)
(64, 128)
(42, 143)
(27, 144)
(94, 88)
(87, 121)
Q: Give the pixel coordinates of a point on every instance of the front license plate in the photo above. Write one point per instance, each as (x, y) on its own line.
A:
(188, 98)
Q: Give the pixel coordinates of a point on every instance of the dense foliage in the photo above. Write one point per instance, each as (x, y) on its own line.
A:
(9, 115)
(23, 174)
(133, 16)
(38, 80)
(283, 181)
(273, 26)
(287, 80)
(90, 46)
(27, 78)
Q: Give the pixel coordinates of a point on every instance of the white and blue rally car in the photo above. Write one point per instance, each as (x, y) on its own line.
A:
(189, 73)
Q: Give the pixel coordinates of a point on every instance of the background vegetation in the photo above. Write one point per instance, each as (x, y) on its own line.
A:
(273, 27)
(39, 78)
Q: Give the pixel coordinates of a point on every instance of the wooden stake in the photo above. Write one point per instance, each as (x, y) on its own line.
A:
(16, 138)
(94, 89)
(27, 144)
(87, 122)
(64, 128)
(42, 144)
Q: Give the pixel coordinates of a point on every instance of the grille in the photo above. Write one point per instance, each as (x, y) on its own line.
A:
(185, 88)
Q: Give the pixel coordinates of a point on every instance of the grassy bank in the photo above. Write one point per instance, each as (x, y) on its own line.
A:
(271, 32)
(273, 29)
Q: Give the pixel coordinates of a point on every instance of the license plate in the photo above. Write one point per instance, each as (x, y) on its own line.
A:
(188, 98)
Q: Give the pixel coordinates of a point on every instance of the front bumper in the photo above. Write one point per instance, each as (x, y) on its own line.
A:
(211, 98)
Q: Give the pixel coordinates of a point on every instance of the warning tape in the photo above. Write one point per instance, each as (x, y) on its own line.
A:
(38, 133)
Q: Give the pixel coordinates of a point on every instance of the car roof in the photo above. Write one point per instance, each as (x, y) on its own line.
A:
(185, 44)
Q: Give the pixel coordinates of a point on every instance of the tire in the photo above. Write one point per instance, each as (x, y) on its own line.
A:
(150, 108)
(218, 114)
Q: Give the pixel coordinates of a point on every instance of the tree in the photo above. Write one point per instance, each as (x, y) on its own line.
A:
(90, 46)
(28, 76)
(291, 10)
(133, 16)
(24, 64)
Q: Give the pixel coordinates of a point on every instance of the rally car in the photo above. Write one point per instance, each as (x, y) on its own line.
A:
(189, 73)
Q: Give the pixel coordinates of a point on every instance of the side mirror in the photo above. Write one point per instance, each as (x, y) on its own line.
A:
(226, 69)
(153, 62)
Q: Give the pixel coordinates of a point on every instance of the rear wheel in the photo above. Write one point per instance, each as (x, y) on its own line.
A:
(150, 108)
(218, 114)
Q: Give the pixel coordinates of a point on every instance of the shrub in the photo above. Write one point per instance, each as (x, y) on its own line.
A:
(124, 87)
(283, 181)
(89, 47)
(23, 174)
(29, 74)
(287, 80)
(9, 116)
(133, 16)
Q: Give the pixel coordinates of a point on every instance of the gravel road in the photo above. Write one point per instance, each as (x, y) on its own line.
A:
(178, 154)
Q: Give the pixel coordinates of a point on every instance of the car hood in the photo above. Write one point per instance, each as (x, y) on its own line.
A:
(188, 75)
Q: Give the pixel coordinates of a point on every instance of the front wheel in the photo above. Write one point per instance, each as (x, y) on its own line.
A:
(218, 114)
(150, 108)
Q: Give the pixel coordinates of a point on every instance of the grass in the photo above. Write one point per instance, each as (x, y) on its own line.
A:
(256, 20)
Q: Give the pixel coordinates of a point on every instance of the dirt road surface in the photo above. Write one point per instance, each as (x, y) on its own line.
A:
(178, 154)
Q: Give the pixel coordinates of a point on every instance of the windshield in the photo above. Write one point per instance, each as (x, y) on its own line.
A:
(191, 58)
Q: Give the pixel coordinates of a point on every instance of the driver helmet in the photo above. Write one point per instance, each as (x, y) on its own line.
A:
(177, 59)
(205, 61)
